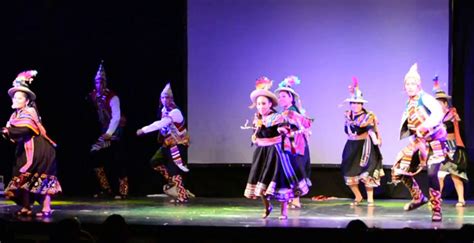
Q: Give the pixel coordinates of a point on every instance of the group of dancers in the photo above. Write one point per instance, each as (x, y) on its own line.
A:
(34, 173)
(281, 164)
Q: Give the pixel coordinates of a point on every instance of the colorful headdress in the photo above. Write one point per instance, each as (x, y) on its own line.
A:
(287, 85)
(413, 73)
(167, 91)
(101, 72)
(262, 87)
(438, 91)
(356, 94)
(21, 83)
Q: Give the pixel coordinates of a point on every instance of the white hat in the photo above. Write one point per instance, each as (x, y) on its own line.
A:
(356, 94)
(167, 91)
(413, 73)
(262, 87)
(286, 85)
(21, 84)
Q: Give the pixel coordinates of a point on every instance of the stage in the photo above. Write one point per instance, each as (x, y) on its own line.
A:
(238, 219)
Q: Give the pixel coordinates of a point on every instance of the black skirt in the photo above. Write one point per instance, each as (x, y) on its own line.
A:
(40, 178)
(353, 170)
(274, 175)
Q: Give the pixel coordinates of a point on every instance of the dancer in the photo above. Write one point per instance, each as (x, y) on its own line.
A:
(34, 174)
(361, 158)
(456, 166)
(422, 122)
(272, 175)
(107, 153)
(170, 159)
(290, 101)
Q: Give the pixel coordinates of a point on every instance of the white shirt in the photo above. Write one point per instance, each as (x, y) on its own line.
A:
(115, 119)
(436, 110)
(173, 116)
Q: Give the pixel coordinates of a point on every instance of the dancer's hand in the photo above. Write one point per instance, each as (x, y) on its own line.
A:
(421, 131)
(24, 168)
(106, 136)
(140, 132)
(283, 130)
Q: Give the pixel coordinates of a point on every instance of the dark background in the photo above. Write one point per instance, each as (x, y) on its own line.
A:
(143, 44)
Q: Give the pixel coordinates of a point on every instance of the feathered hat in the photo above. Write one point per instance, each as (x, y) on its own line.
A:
(262, 87)
(101, 72)
(439, 93)
(413, 73)
(167, 91)
(287, 84)
(356, 94)
(21, 83)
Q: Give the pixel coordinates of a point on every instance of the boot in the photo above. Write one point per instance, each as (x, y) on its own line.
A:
(105, 190)
(123, 188)
(182, 192)
(163, 171)
(435, 202)
(418, 199)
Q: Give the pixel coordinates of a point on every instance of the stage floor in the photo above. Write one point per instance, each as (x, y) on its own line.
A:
(155, 219)
(241, 212)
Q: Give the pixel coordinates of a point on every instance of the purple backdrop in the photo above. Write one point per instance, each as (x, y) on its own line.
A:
(325, 43)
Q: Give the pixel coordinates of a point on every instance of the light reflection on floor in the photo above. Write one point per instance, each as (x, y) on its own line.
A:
(241, 212)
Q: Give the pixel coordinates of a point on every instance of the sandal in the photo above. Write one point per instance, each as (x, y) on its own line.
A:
(44, 214)
(24, 212)
(371, 204)
(356, 203)
(294, 205)
(460, 204)
(283, 217)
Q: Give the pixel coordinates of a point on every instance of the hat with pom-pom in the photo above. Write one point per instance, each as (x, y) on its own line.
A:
(262, 88)
(287, 85)
(22, 82)
(438, 91)
(356, 94)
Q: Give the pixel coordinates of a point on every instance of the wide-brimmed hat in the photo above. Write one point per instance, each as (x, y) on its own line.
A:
(438, 91)
(356, 94)
(287, 85)
(262, 88)
(21, 83)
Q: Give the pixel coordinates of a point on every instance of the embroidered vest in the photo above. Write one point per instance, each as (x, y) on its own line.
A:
(173, 134)
(104, 111)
